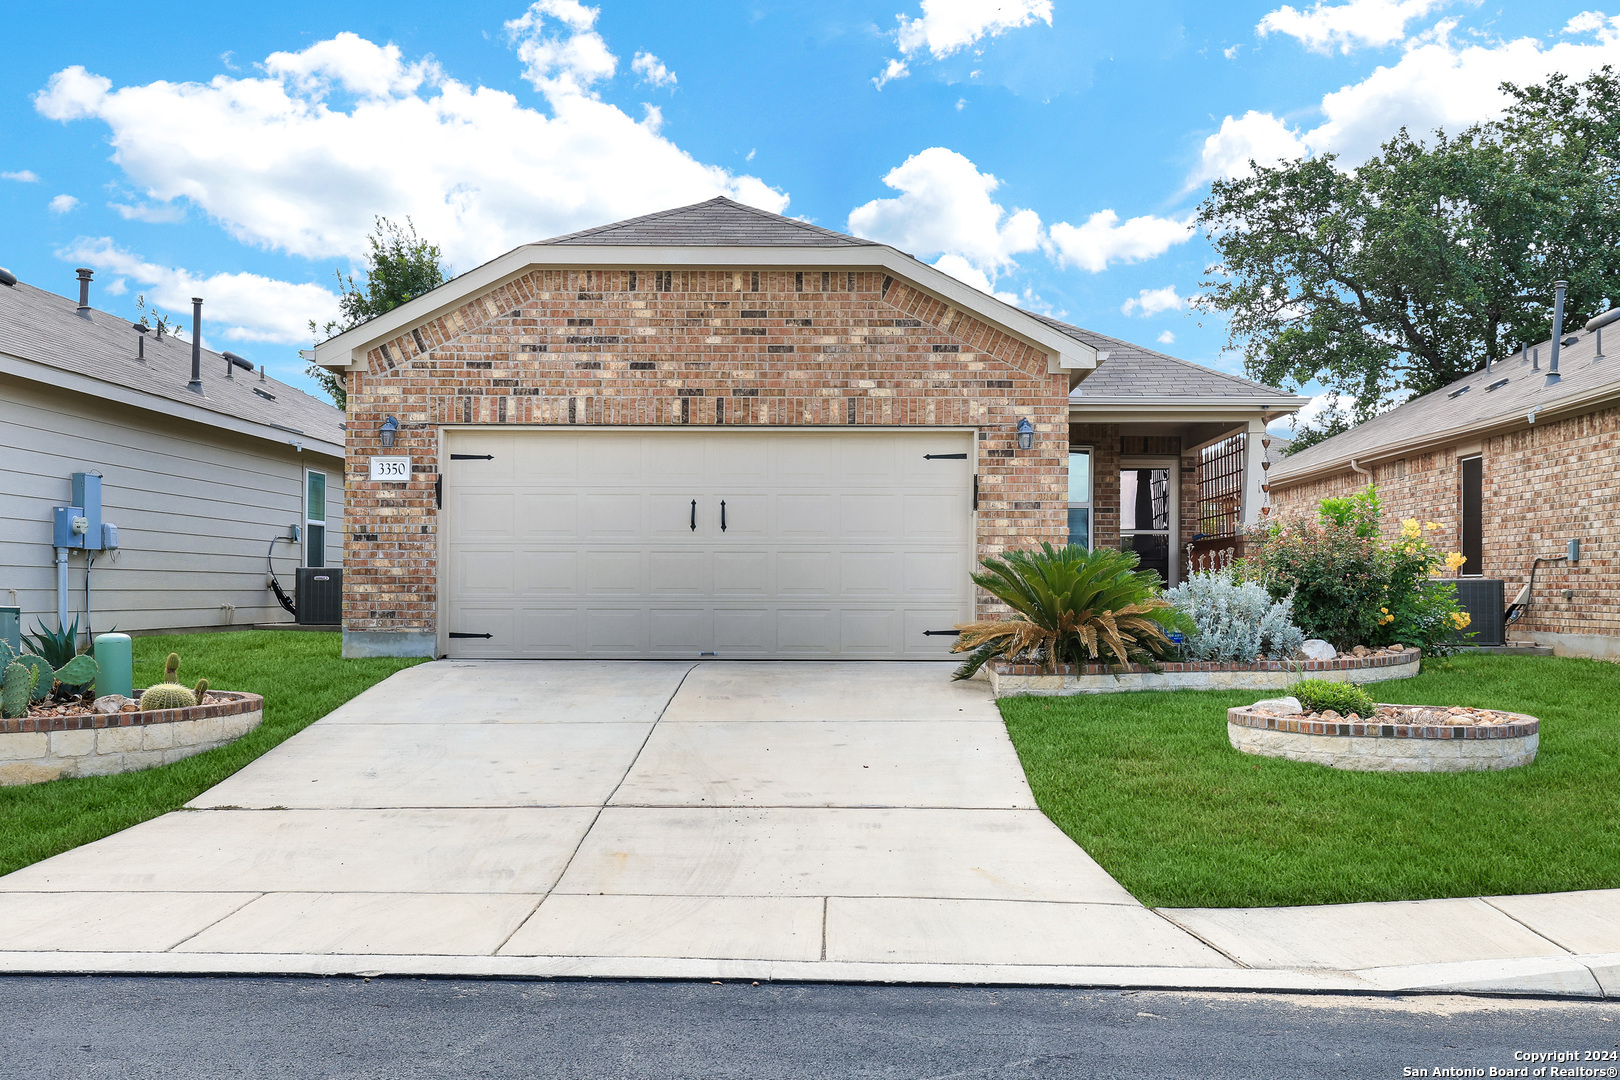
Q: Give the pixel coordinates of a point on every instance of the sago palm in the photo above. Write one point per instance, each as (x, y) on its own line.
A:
(1072, 605)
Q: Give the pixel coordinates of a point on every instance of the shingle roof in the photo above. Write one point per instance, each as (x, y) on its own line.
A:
(1133, 371)
(46, 328)
(720, 222)
(1471, 405)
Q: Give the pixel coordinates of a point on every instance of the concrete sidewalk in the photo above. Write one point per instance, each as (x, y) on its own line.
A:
(721, 820)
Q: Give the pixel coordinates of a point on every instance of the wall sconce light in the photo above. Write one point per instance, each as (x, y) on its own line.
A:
(1026, 434)
(389, 427)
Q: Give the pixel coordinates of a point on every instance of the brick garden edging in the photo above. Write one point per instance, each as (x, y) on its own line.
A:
(1009, 679)
(1367, 746)
(34, 749)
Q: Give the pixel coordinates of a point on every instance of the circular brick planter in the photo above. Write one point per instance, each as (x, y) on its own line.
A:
(1010, 679)
(34, 749)
(1428, 745)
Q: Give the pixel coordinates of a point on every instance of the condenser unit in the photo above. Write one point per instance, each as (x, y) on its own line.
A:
(1482, 599)
(320, 595)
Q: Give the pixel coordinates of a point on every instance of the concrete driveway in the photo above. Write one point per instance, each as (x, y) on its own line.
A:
(764, 820)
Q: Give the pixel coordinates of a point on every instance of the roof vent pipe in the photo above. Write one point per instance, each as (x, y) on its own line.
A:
(1558, 328)
(140, 341)
(196, 345)
(1596, 325)
(84, 289)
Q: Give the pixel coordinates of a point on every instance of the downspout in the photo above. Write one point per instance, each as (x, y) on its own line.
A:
(1364, 472)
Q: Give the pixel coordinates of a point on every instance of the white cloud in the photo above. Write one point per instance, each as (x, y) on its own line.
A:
(63, 203)
(1318, 405)
(1347, 26)
(1257, 136)
(156, 213)
(1104, 239)
(22, 176)
(1167, 337)
(949, 26)
(290, 165)
(652, 70)
(566, 64)
(945, 208)
(118, 287)
(250, 307)
(1435, 84)
(1153, 301)
(1231, 51)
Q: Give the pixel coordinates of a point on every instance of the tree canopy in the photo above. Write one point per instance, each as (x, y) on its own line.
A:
(400, 266)
(1407, 272)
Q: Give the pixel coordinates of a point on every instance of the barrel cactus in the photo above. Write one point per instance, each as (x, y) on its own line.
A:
(169, 694)
(16, 685)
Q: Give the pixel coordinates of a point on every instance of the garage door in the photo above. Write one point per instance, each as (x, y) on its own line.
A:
(687, 544)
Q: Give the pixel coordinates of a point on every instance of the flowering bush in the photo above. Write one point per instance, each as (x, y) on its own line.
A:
(1351, 587)
(1233, 621)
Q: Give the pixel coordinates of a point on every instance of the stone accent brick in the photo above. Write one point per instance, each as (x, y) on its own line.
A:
(697, 348)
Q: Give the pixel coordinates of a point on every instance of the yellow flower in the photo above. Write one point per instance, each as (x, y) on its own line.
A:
(1454, 560)
(1434, 526)
(1410, 529)
(1385, 610)
(1461, 619)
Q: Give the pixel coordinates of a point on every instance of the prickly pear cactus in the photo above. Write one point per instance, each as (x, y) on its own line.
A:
(44, 677)
(167, 696)
(15, 687)
(79, 673)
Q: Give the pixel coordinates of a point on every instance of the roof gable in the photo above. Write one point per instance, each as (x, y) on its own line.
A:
(719, 222)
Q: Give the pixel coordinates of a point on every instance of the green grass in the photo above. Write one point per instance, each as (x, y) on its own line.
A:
(1149, 786)
(302, 678)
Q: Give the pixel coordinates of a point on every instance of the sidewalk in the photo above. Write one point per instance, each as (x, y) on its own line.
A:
(837, 822)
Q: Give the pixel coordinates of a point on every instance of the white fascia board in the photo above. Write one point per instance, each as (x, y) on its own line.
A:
(347, 350)
(78, 383)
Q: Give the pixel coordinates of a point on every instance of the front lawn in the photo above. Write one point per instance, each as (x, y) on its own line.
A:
(1148, 785)
(301, 677)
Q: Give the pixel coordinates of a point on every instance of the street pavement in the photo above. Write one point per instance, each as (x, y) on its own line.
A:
(112, 1028)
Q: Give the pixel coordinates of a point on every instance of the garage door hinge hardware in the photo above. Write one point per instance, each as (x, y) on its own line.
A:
(722, 515)
(975, 491)
(456, 635)
(694, 515)
(926, 633)
(472, 457)
(944, 457)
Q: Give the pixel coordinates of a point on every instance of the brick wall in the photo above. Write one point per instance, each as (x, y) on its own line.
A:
(1543, 485)
(696, 348)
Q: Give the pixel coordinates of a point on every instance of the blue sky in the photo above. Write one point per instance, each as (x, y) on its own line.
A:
(1049, 151)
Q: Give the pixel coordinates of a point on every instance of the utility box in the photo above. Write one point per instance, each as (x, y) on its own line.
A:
(1482, 599)
(319, 596)
(11, 628)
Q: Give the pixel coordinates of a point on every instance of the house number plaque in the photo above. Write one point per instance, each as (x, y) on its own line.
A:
(395, 469)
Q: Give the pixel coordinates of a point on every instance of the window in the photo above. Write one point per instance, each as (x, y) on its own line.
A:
(1473, 515)
(314, 518)
(1080, 497)
(1147, 516)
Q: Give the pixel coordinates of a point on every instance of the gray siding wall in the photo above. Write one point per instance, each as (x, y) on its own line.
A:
(195, 507)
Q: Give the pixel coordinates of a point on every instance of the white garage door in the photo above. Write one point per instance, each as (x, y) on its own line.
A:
(688, 543)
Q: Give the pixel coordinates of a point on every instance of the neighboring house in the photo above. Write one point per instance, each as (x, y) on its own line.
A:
(1513, 463)
(198, 480)
(715, 431)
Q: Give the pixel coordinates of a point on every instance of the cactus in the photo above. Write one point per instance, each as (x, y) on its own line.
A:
(200, 690)
(79, 673)
(167, 696)
(44, 677)
(15, 688)
(171, 668)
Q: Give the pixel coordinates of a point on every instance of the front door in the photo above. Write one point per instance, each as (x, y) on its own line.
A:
(1147, 514)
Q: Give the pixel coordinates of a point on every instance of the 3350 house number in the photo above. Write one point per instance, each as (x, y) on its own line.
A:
(395, 469)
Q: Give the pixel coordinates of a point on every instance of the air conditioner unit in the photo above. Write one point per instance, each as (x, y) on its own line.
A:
(320, 595)
(1482, 599)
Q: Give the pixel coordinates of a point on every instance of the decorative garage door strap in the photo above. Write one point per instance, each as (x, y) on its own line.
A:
(944, 457)
(930, 633)
(472, 457)
(456, 635)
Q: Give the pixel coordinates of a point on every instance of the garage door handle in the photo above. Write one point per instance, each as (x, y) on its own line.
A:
(694, 515)
(722, 515)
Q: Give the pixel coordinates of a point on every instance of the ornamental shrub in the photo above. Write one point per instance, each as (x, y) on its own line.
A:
(1319, 695)
(1234, 622)
(1351, 587)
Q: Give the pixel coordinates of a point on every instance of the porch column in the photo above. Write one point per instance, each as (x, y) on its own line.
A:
(1253, 474)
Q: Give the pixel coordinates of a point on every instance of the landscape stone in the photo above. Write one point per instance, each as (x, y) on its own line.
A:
(108, 704)
(1279, 706)
(1317, 649)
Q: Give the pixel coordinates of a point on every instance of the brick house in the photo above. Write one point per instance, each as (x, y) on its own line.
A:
(1513, 462)
(717, 431)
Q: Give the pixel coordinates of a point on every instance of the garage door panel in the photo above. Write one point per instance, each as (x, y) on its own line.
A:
(579, 543)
